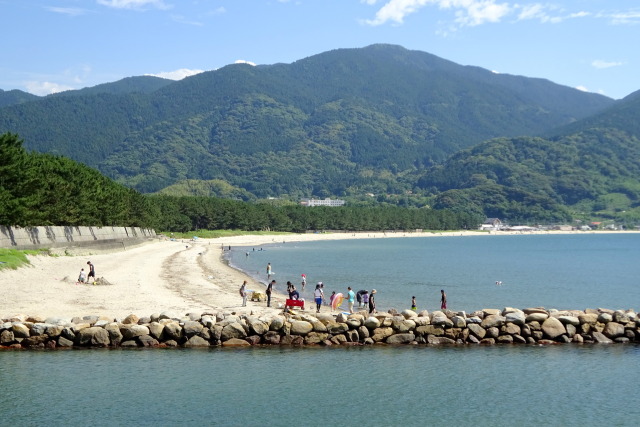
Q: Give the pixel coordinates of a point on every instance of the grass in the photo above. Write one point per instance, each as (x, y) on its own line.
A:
(13, 258)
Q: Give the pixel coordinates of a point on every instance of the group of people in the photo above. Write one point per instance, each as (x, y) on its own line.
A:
(83, 277)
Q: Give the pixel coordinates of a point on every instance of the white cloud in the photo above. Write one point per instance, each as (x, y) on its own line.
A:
(600, 64)
(71, 11)
(582, 88)
(177, 74)
(134, 4)
(625, 18)
(45, 88)
(242, 61)
(467, 12)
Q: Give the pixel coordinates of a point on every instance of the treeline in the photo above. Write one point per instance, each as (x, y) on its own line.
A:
(42, 189)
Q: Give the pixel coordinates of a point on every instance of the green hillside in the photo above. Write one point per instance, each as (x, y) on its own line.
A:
(14, 97)
(344, 122)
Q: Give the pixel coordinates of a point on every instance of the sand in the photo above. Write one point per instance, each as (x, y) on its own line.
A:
(163, 276)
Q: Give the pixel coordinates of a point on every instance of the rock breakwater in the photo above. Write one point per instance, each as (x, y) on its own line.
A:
(483, 327)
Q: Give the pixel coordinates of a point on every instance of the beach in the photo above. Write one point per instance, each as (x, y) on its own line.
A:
(177, 276)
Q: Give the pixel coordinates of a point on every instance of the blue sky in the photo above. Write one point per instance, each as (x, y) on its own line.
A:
(53, 45)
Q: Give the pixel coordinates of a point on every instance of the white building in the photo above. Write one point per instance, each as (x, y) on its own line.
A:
(319, 202)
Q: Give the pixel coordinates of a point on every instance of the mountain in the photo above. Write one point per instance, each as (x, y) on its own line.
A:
(128, 85)
(593, 171)
(343, 122)
(13, 97)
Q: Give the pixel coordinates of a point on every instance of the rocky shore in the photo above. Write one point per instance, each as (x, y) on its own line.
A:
(484, 327)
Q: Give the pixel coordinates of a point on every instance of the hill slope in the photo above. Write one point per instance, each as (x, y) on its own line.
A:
(341, 122)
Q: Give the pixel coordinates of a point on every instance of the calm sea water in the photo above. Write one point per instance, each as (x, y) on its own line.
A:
(574, 271)
(564, 385)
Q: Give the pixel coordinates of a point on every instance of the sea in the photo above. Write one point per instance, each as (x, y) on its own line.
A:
(506, 385)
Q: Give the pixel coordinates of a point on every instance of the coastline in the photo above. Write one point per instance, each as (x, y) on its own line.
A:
(180, 276)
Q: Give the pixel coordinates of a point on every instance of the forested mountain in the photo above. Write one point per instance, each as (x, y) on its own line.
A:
(13, 97)
(128, 85)
(343, 122)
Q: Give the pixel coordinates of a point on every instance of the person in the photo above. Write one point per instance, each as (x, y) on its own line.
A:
(443, 300)
(304, 281)
(372, 302)
(331, 298)
(243, 293)
(413, 304)
(289, 286)
(293, 293)
(318, 295)
(322, 288)
(365, 299)
(270, 287)
(92, 272)
(83, 276)
(359, 297)
(268, 270)
(351, 298)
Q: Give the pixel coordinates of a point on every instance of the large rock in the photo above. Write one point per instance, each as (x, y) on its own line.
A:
(409, 314)
(197, 341)
(493, 321)
(315, 337)
(517, 317)
(477, 330)
(569, 320)
(20, 330)
(439, 318)
(536, 317)
(94, 336)
(115, 336)
(257, 326)
(380, 334)
(337, 328)
(6, 337)
(372, 322)
(433, 340)
(553, 328)
(588, 318)
(600, 338)
(459, 321)
(605, 317)
(613, 330)
(511, 329)
(130, 332)
(402, 325)
(131, 319)
(277, 323)
(192, 328)
(400, 339)
(300, 327)
(429, 330)
(233, 330)
(171, 331)
(155, 329)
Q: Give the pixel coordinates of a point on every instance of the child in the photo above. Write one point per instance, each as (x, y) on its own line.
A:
(365, 299)
(82, 277)
(331, 298)
(413, 303)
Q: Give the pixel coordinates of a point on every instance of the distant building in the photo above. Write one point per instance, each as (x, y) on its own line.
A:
(491, 224)
(319, 202)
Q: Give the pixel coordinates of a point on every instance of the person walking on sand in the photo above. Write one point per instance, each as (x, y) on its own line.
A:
(351, 298)
(92, 272)
(243, 293)
(270, 287)
(372, 302)
(318, 295)
(443, 300)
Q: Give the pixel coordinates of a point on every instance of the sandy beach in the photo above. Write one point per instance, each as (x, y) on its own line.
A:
(163, 276)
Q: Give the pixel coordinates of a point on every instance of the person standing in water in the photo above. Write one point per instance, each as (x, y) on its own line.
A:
(372, 302)
(304, 281)
(413, 304)
(443, 300)
(268, 270)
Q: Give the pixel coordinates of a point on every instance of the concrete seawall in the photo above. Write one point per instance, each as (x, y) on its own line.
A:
(533, 326)
(67, 236)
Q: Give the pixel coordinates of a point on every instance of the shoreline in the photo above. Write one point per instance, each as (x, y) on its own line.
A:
(181, 276)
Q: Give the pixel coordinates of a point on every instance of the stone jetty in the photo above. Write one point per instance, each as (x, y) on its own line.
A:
(512, 326)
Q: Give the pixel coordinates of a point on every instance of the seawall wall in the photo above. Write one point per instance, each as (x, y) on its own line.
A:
(68, 236)
(534, 326)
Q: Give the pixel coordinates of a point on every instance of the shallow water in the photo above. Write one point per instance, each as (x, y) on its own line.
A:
(575, 271)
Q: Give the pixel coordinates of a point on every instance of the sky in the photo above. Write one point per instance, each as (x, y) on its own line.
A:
(50, 46)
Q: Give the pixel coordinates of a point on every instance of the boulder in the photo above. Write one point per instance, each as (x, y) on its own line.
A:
(20, 330)
(352, 336)
(38, 329)
(600, 338)
(477, 330)
(155, 329)
(439, 318)
(517, 317)
(588, 318)
(130, 332)
(315, 337)
(113, 329)
(257, 326)
(492, 332)
(171, 331)
(491, 312)
(197, 341)
(493, 321)
(422, 320)
(6, 337)
(147, 341)
(605, 318)
(504, 339)
(300, 327)
(402, 325)
(320, 327)
(433, 340)
(191, 328)
(271, 337)
(569, 320)
(372, 322)
(400, 339)
(94, 336)
(409, 314)
(63, 342)
(536, 317)
(380, 334)
(621, 317)
(459, 321)
(553, 328)
(510, 329)
(613, 330)
(233, 330)
(429, 330)
(337, 328)
(277, 323)
(131, 319)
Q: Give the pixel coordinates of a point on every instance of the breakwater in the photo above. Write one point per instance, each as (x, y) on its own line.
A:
(484, 327)
(68, 236)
